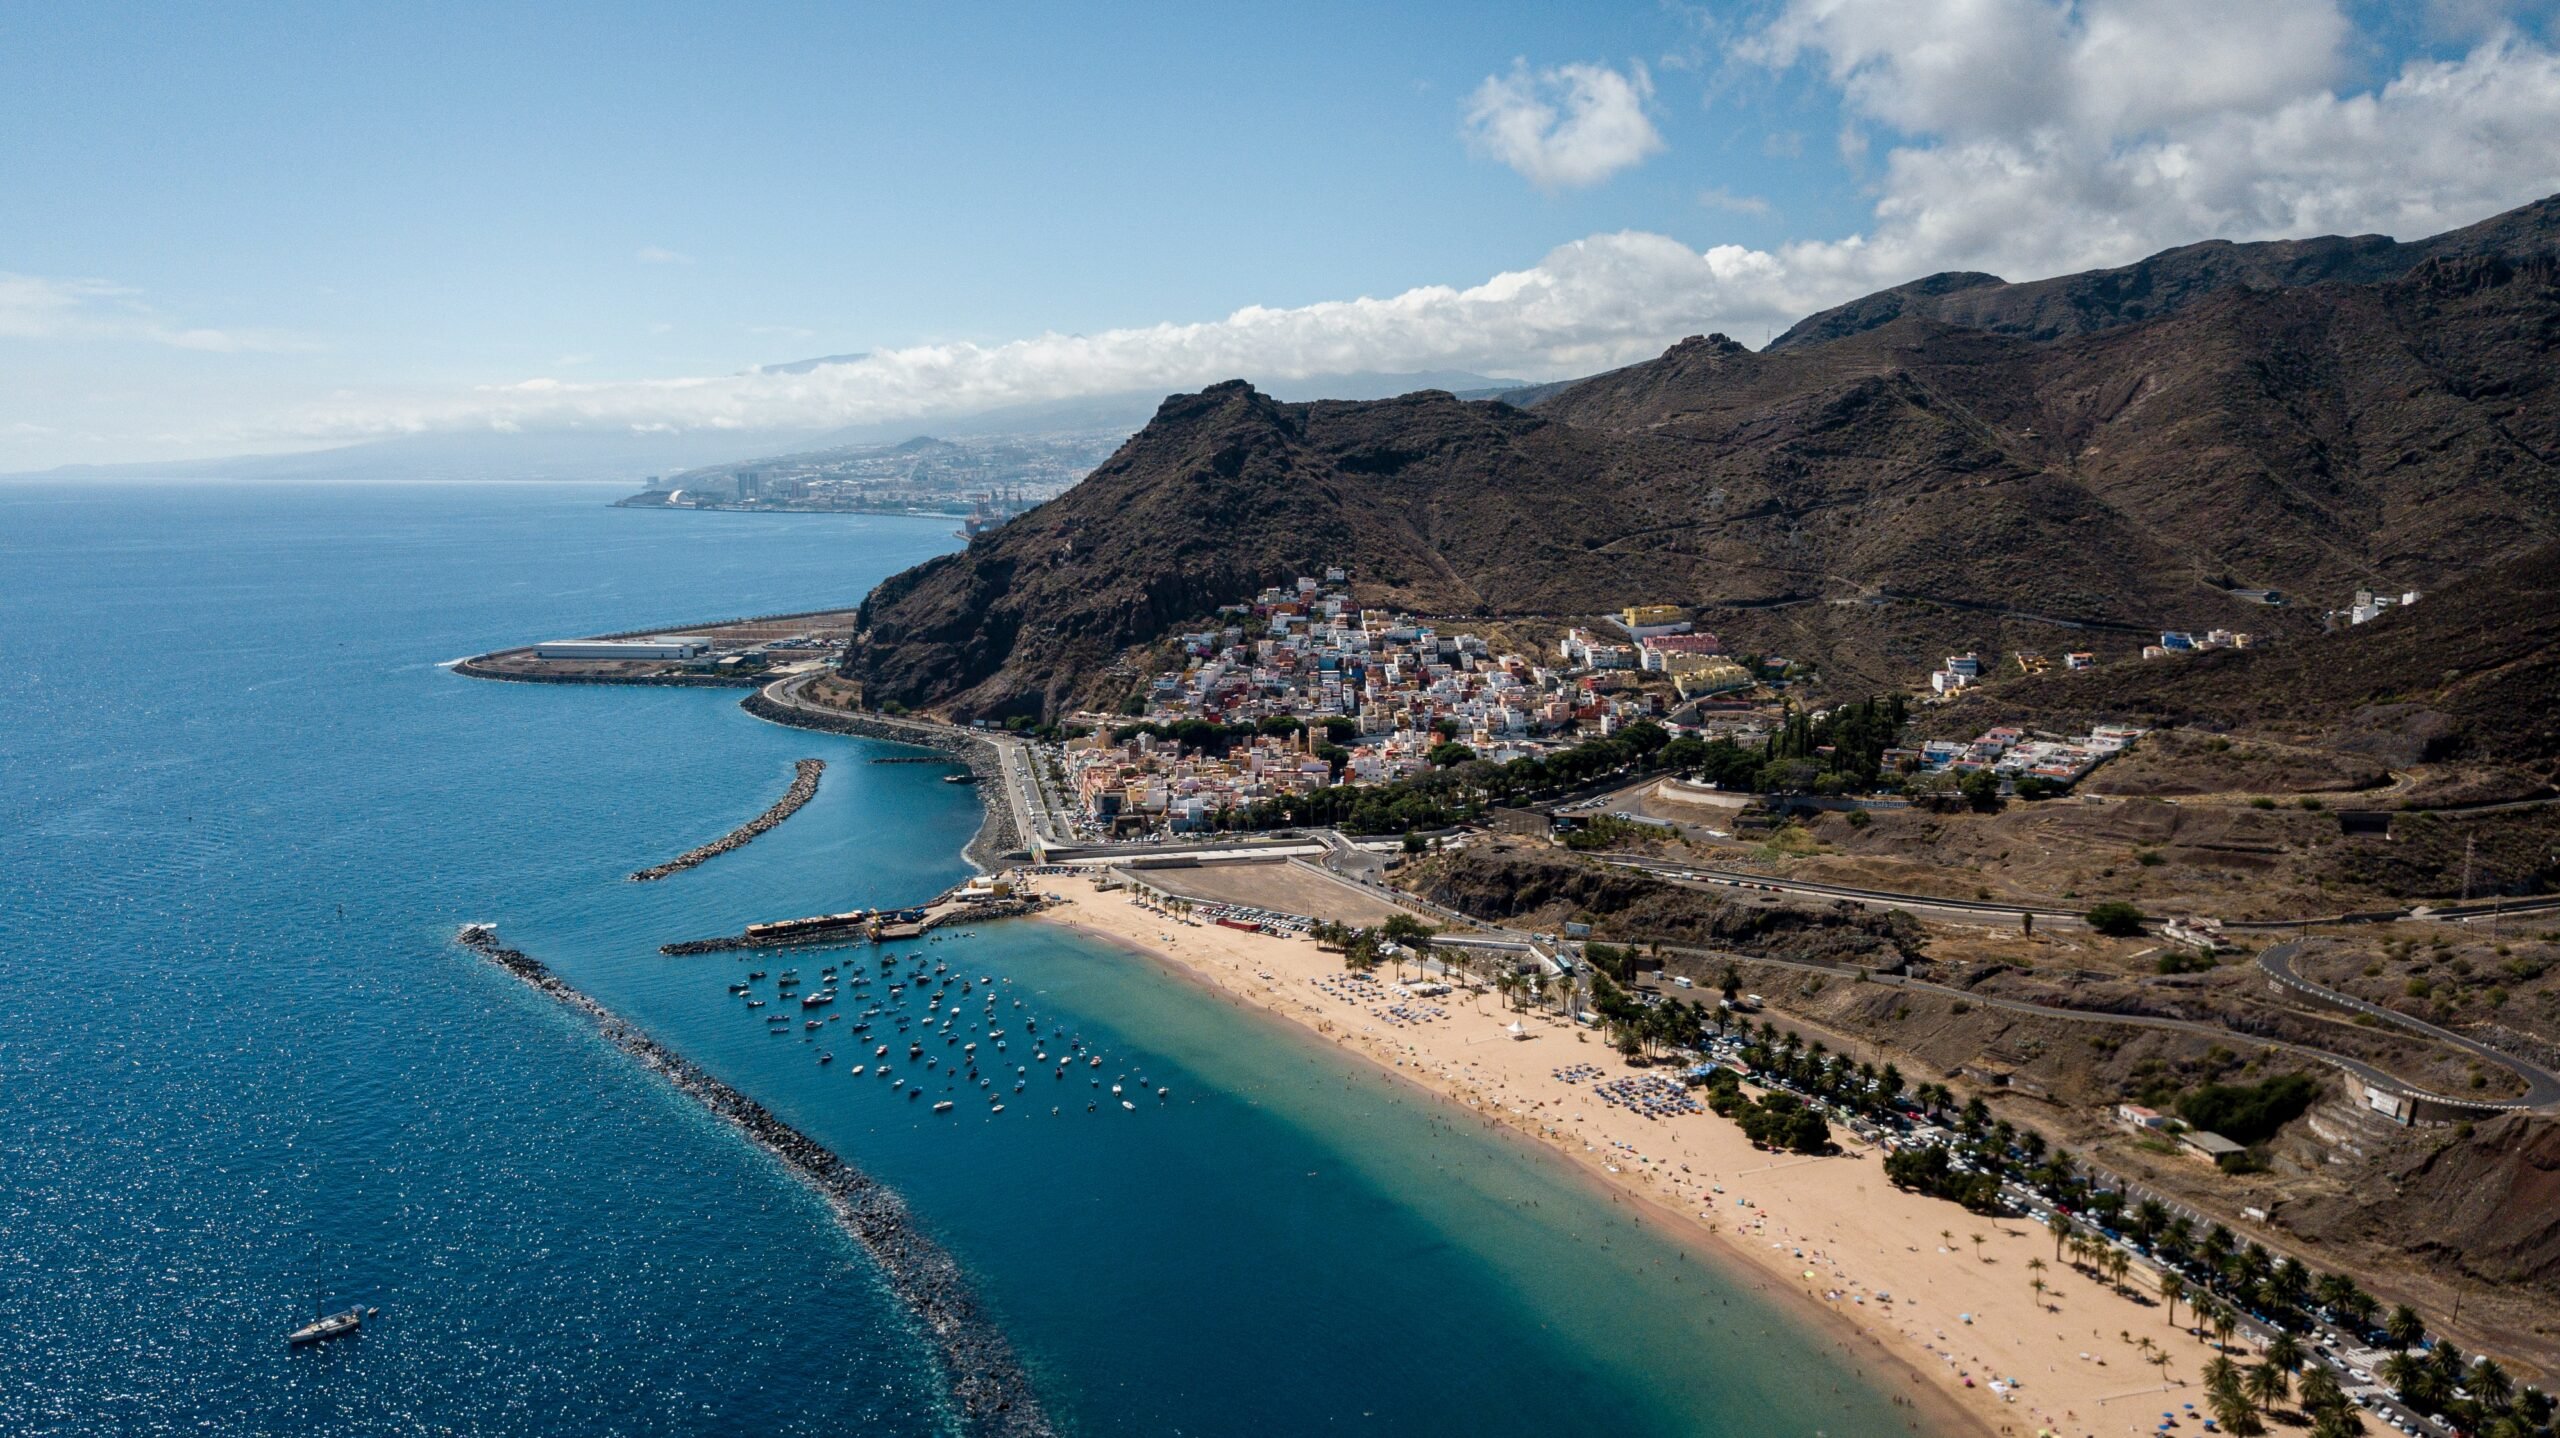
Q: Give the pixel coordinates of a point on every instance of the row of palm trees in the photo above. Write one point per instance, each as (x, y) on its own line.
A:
(2229, 1275)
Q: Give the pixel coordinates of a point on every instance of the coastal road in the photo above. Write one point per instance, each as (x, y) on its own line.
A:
(1018, 787)
(2542, 1087)
(1698, 875)
(2535, 1097)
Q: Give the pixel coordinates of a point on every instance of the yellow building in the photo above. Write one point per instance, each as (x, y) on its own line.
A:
(1646, 616)
(1696, 674)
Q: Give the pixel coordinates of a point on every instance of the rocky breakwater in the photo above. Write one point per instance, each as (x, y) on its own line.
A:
(987, 1382)
(998, 834)
(804, 787)
(864, 925)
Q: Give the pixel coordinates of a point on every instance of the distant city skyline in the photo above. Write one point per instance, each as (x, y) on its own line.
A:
(266, 228)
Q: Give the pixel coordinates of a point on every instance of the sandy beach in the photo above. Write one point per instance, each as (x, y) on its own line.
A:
(1939, 1293)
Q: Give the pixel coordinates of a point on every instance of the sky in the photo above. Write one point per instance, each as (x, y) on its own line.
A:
(260, 227)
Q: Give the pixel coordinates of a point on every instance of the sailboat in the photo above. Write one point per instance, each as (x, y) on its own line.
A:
(325, 1326)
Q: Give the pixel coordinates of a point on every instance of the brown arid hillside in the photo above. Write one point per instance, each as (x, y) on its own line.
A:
(1873, 497)
(2166, 282)
(2469, 672)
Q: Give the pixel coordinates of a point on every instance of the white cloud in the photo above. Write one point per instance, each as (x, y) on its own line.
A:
(654, 255)
(1603, 301)
(1565, 127)
(1720, 198)
(33, 307)
(2026, 137)
(2035, 136)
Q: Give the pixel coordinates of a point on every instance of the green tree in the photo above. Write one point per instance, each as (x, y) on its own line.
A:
(2116, 919)
(2404, 1329)
(2268, 1386)
(1981, 789)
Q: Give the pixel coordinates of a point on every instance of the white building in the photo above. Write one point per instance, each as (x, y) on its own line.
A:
(673, 646)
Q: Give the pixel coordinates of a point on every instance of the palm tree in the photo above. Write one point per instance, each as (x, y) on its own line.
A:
(2117, 1266)
(2404, 1328)
(1947, 1236)
(2225, 1323)
(2172, 1288)
(1978, 1241)
(2039, 1286)
(2059, 1225)
(2284, 1351)
(2177, 1234)
(2336, 1423)
(2214, 1247)
(2149, 1217)
(2404, 1375)
(2268, 1386)
(2490, 1384)
(2319, 1389)
(2237, 1414)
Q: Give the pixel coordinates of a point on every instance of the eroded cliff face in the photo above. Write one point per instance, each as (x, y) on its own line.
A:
(2486, 1206)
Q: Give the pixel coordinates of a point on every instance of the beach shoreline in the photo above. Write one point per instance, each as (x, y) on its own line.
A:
(1943, 1323)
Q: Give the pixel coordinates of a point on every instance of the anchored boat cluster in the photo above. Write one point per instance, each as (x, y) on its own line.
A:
(986, 1380)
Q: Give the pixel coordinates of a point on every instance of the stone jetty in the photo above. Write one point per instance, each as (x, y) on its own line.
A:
(986, 1380)
(804, 787)
(863, 925)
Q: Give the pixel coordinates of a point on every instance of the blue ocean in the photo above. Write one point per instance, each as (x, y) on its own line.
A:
(244, 1067)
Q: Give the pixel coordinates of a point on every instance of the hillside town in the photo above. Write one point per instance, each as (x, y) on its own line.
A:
(1303, 689)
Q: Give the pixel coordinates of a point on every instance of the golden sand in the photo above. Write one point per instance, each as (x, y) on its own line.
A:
(1944, 1293)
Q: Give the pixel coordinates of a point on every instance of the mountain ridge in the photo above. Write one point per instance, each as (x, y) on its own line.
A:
(2306, 438)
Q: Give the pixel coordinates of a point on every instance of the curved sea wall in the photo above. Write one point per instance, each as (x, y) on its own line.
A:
(986, 1380)
(804, 787)
(996, 835)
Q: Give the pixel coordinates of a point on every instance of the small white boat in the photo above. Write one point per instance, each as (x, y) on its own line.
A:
(326, 1327)
(943, 1107)
(1124, 1103)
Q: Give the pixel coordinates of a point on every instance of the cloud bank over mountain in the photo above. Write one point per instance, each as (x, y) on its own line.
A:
(2022, 137)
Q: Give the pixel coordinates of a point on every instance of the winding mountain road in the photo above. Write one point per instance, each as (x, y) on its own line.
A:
(2542, 1087)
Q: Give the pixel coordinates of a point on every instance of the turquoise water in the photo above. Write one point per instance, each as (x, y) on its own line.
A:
(241, 812)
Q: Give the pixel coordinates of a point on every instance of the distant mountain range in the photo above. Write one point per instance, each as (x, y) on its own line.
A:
(625, 455)
(2123, 448)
